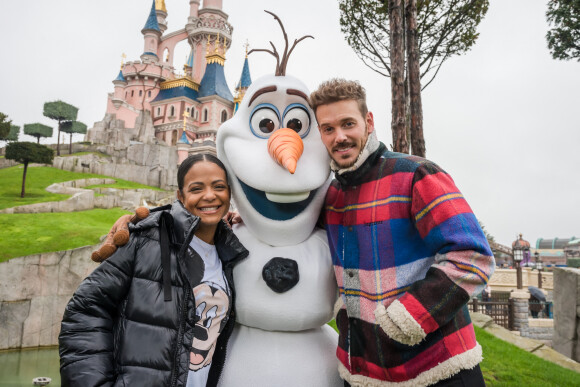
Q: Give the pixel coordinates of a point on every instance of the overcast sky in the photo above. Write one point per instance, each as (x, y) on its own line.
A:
(501, 119)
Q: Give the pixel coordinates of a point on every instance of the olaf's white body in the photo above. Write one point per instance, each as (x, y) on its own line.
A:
(281, 338)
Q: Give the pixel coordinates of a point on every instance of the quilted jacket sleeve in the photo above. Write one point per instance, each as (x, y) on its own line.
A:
(86, 341)
(463, 261)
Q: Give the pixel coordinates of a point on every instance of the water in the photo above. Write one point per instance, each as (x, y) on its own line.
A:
(18, 368)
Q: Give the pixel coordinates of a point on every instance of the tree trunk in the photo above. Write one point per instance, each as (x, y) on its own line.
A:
(24, 179)
(38, 139)
(70, 145)
(413, 68)
(398, 126)
(58, 140)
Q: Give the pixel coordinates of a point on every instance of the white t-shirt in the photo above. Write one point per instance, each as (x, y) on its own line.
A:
(212, 300)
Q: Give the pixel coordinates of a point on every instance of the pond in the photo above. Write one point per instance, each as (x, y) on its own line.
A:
(18, 368)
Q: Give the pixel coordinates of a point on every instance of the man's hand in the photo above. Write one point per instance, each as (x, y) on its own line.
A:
(119, 234)
(232, 218)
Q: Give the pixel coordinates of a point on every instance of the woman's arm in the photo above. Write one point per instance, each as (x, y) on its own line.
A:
(86, 343)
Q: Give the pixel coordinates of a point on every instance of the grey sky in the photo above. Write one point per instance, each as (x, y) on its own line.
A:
(502, 119)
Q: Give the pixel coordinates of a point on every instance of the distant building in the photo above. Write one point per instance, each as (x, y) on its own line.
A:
(184, 107)
(555, 251)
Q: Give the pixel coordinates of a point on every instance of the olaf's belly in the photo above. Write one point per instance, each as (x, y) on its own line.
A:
(295, 292)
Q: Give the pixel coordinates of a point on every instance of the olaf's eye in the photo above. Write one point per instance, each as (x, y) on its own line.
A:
(264, 120)
(296, 117)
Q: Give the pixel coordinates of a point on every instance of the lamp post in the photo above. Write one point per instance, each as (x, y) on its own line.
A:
(518, 248)
(539, 266)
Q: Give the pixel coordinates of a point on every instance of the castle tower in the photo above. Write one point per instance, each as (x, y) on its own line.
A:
(151, 34)
(203, 27)
(161, 12)
(120, 83)
(150, 95)
(244, 83)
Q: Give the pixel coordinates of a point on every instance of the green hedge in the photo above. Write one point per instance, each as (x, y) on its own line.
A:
(14, 132)
(73, 127)
(573, 262)
(38, 130)
(29, 152)
(59, 110)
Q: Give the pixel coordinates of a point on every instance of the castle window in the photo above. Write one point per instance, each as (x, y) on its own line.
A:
(140, 93)
(172, 111)
(132, 93)
(149, 94)
(192, 112)
(158, 111)
(204, 115)
(224, 116)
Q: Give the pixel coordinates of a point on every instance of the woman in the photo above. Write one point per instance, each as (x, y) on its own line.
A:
(159, 311)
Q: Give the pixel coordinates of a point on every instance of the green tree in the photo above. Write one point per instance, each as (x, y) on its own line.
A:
(564, 36)
(4, 126)
(61, 112)
(38, 130)
(28, 152)
(433, 31)
(71, 127)
(14, 132)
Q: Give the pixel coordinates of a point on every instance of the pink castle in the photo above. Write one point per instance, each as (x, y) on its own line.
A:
(187, 108)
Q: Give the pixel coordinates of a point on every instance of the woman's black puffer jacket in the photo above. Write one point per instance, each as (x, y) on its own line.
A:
(118, 330)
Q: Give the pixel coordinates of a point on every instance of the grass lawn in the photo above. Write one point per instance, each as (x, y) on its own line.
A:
(26, 234)
(506, 365)
(37, 179)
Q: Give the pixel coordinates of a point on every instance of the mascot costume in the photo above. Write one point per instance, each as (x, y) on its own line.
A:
(279, 172)
(285, 289)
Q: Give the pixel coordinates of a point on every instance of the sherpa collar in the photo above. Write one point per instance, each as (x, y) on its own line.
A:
(371, 146)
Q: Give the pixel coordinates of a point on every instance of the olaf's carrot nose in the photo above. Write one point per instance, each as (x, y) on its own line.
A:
(285, 146)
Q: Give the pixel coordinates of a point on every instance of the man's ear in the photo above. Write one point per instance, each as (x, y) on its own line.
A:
(370, 121)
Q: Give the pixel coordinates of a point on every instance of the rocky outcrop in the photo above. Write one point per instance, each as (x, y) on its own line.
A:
(34, 291)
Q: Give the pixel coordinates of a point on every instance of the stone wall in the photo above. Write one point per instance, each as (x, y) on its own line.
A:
(85, 199)
(567, 312)
(541, 329)
(505, 279)
(34, 291)
(150, 164)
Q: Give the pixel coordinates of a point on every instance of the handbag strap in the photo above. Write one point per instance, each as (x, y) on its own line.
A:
(165, 256)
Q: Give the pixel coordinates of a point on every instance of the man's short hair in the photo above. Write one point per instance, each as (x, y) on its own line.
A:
(338, 89)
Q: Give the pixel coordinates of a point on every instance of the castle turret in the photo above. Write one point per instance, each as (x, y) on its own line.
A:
(193, 8)
(244, 83)
(151, 34)
(161, 12)
(215, 4)
(214, 80)
(202, 28)
(120, 83)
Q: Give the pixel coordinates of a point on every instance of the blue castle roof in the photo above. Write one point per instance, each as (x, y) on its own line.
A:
(183, 138)
(181, 91)
(151, 23)
(190, 59)
(214, 83)
(120, 77)
(245, 79)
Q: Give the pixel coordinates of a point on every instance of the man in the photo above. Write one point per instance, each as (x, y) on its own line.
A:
(408, 254)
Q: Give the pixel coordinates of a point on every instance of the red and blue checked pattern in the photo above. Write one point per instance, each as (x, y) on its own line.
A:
(399, 228)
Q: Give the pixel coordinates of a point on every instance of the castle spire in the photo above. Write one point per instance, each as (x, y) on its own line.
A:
(151, 33)
(151, 23)
(160, 5)
(161, 12)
